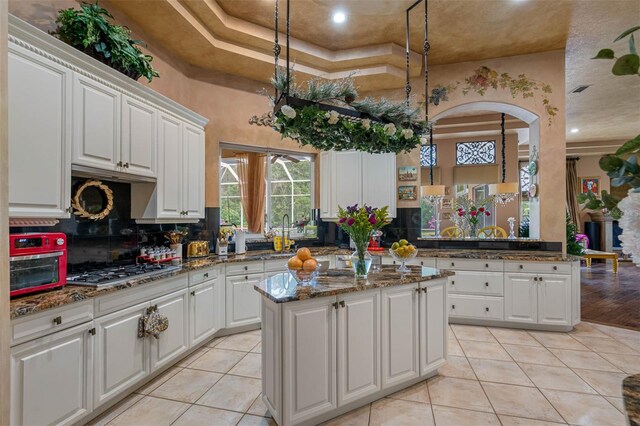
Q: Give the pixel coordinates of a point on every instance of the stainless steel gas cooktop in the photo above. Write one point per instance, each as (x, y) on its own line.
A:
(116, 275)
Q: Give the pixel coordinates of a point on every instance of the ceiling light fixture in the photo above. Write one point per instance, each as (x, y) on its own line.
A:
(339, 17)
(575, 130)
(503, 192)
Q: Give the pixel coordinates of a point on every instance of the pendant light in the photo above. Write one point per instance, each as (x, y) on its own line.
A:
(503, 192)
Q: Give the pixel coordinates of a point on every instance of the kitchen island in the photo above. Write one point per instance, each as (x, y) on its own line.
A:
(340, 343)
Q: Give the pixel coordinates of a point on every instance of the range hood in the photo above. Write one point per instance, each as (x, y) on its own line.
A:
(112, 175)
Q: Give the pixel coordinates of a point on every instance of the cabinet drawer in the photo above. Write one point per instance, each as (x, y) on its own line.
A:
(202, 275)
(41, 324)
(276, 265)
(486, 283)
(125, 298)
(469, 306)
(243, 268)
(422, 261)
(539, 267)
(470, 265)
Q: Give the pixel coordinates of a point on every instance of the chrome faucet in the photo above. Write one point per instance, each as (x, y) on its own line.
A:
(285, 237)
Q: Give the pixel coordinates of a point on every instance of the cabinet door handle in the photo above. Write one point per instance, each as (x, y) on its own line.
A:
(535, 278)
(69, 209)
(193, 293)
(92, 331)
(453, 282)
(424, 289)
(335, 305)
(486, 265)
(453, 264)
(246, 268)
(555, 268)
(453, 306)
(521, 267)
(119, 164)
(57, 320)
(539, 278)
(126, 165)
(422, 262)
(486, 284)
(206, 275)
(418, 290)
(486, 309)
(246, 277)
(342, 303)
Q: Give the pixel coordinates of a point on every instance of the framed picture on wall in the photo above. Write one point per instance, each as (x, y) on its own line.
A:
(447, 204)
(446, 215)
(590, 184)
(407, 193)
(407, 173)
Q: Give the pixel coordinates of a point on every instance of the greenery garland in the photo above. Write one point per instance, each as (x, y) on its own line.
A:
(386, 126)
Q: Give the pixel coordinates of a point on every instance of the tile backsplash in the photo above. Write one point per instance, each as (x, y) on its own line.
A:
(117, 238)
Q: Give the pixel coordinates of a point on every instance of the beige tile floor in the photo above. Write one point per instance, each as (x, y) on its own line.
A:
(494, 376)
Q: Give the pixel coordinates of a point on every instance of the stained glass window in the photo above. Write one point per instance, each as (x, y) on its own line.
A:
(481, 152)
(427, 160)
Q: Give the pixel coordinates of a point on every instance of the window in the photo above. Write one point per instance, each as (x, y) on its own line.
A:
(289, 191)
(482, 152)
(525, 185)
(428, 157)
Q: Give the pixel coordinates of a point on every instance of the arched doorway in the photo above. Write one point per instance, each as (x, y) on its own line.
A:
(531, 119)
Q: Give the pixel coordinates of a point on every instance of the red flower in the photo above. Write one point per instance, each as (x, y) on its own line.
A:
(473, 213)
(488, 214)
(342, 220)
(481, 209)
(460, 213)
(351, 221)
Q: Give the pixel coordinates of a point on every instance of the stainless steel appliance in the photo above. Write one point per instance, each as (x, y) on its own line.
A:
(109, 276)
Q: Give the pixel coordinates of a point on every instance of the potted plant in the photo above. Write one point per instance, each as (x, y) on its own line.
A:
(359, 223)
(89, 30)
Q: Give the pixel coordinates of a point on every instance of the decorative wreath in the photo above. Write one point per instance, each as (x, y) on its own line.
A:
(80, 211)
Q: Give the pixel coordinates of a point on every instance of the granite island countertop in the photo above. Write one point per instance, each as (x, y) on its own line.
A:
(631, 398)
(39, 302)
(282, 287)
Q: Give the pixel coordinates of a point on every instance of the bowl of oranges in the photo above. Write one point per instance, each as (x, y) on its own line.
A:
(303, 266)
(403, 252)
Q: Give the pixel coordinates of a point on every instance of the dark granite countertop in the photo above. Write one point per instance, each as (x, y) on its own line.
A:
(30, 304)
(631, 398)
(283, 287)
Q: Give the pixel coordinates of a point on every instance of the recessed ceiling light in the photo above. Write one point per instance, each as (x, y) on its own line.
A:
(575, 130)
(339, 17)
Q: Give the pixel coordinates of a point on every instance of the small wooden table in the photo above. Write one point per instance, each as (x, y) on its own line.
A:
(594, 254)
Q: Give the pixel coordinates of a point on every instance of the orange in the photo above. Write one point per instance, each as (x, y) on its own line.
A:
(304, 254)
(295, 263)
(310, 265)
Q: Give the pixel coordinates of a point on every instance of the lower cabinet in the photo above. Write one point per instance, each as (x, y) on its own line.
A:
(121, 357)
(309, 351)
(51, 378)
(433, 336)
(243, 302)
(206, 310)
(538, 298)
(400, 346)
(175, 339)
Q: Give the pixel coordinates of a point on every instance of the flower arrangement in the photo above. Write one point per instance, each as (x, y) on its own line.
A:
(382, 126)
(470, 212)
(359, 223)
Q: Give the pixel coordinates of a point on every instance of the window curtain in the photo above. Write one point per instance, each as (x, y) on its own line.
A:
(572, 191)
(251, 175)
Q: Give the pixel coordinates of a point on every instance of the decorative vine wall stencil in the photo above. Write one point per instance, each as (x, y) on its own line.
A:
(485, 78)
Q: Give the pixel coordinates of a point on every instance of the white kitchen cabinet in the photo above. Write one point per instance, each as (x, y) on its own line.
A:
(51, 378)
(350, 177)
(121, 357)
(206, 310)
(309, 359)
(96, 124)
(193, 171)
(175, 339)
(379, 181)
(521, 298)
(554, 299)
(433, 338)
(243, 302)
(400, 351)
(358, 346)
(39, 108)
(139, 137)
(178, 194)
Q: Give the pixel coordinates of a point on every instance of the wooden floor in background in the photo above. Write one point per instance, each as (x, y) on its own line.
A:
(611, 299)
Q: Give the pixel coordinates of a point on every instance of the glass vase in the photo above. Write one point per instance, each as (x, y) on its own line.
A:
(473, 230)
(361, 260)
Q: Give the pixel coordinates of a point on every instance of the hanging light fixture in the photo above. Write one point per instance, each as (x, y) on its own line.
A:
(503, 192)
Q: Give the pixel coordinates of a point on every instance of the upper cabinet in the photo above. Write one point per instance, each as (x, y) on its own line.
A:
(96, 118)
(39, 136)
(68, 111)
(351, 177)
